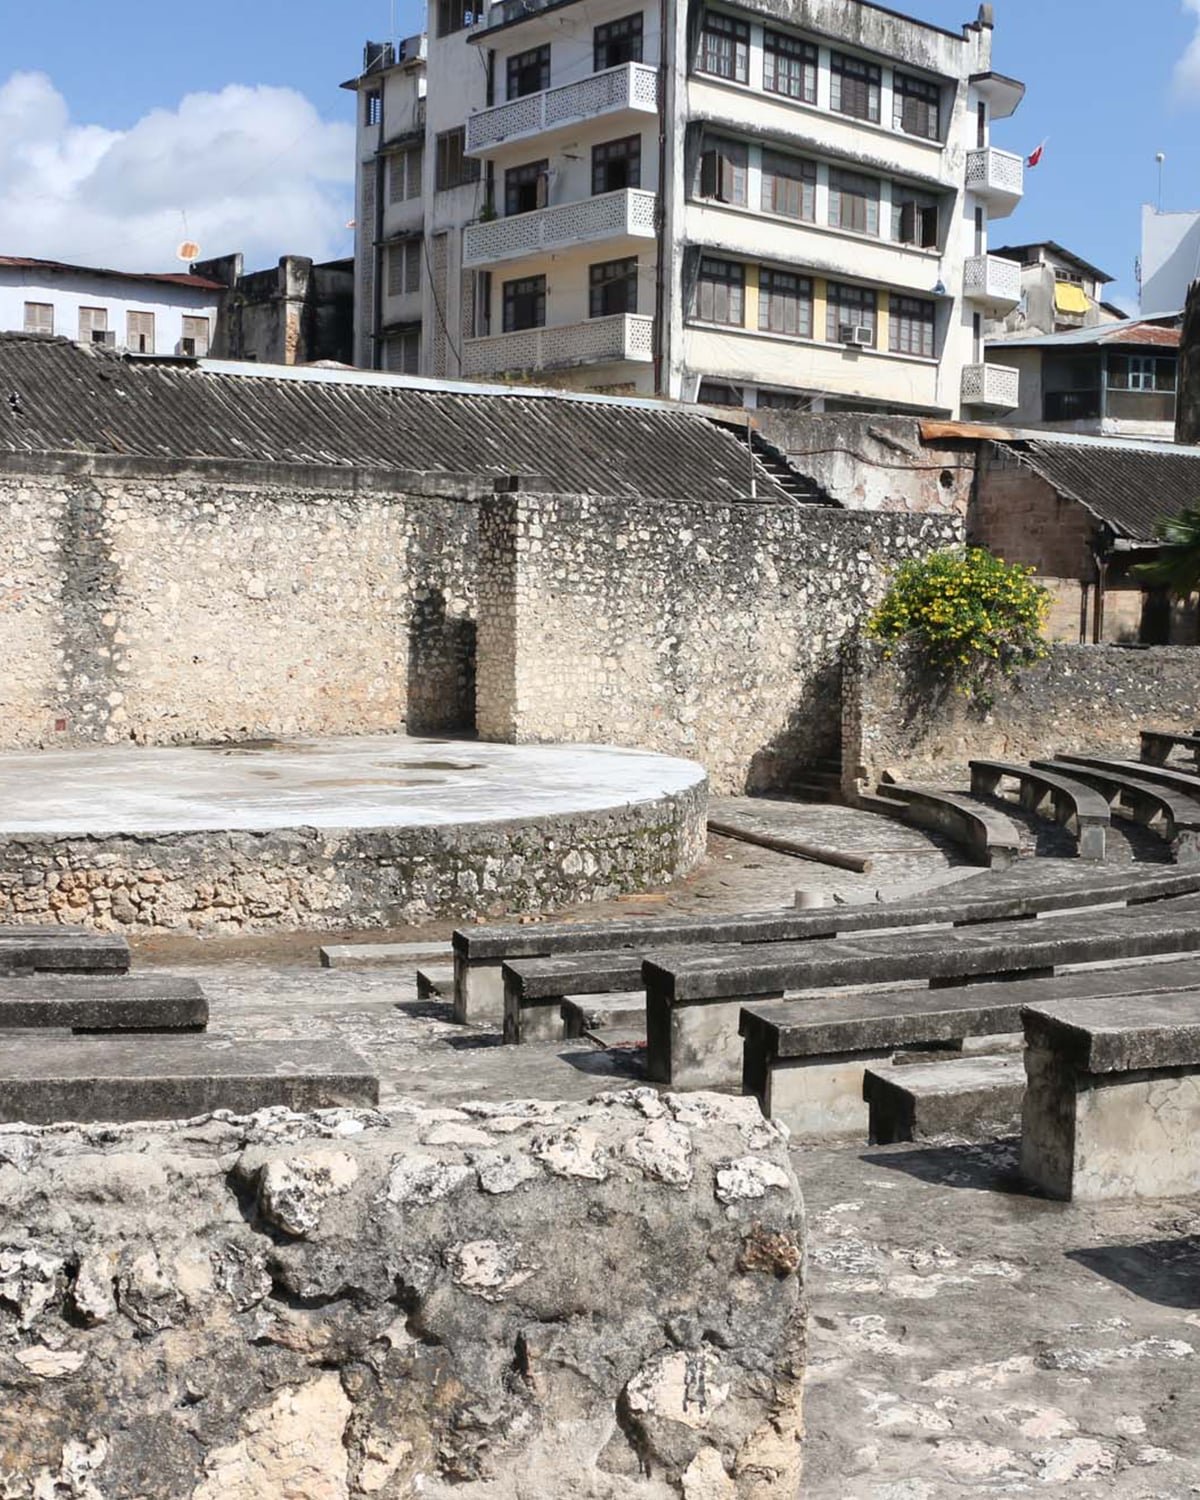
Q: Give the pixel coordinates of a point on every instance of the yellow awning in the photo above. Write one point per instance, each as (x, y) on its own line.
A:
(1069, 298)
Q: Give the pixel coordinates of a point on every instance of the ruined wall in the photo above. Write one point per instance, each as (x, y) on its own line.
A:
(1078, 698)
(165, 603)
(702, 630)
(875, 463)
(418, 1302)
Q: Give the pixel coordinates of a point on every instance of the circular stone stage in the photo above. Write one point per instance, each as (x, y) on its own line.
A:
(337, 833)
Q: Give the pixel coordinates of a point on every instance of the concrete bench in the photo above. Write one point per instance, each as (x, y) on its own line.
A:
(1112, 1099)
(987, 835)
(47, 1079)
(804, 1059)
(47, 950)
(977, 1098)
(1145, 801)
(1157, 745)
(1069, 800)
(693, 1002)
(611, 953)
(101, 1002)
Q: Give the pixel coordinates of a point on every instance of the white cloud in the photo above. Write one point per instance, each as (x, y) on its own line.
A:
(253, 169)
(1187, 69)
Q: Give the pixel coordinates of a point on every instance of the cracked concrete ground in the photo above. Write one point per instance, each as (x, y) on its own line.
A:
(966, 1337)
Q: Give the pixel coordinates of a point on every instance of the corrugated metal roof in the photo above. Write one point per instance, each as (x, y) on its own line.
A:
(1129, 488)
(56, 396)
(173, 278)
(1147, 335)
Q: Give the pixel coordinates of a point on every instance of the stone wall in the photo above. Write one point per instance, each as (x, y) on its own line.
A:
(323, 879)
(165, 603)
(708, 631)
(1078, 698)
(412, 1303)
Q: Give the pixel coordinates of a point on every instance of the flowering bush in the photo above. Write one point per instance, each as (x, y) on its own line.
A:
(967, 613)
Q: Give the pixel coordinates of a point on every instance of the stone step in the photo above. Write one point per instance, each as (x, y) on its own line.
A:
(31, 950)
(47, 1079)
(102, 1002)
(975, 1098)
(369, 955)
(623, 1013)
(435, 982)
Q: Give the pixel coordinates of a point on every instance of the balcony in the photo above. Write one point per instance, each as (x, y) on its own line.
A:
(993, 282)
(626, 336)
(997, 387)
(624, 215)
(998, 177)
(630, 88)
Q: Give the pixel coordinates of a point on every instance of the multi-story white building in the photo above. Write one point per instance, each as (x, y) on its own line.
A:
(167, 313)
(741, 201)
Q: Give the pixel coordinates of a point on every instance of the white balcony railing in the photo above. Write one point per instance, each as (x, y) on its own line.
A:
(626, 214)
(998, 177)
(626, 336)
(992, 280)
(994, 386)
(632, 86)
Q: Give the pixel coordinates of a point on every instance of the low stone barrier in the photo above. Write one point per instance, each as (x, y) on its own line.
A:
(501, 1300)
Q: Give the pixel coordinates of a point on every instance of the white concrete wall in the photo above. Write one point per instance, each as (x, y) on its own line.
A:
(67, 291)
(1170, 260)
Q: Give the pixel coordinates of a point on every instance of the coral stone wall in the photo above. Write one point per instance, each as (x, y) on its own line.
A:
(413, 1303)
(708, 631)
(1077, 698)
(328, 879)
(167, 603)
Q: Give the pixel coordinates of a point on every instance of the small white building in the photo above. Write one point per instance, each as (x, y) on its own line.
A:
(144, 313)
(726, 200)
(1170, 260)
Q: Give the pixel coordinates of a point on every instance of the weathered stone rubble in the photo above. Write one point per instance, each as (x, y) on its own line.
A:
(502, 1300)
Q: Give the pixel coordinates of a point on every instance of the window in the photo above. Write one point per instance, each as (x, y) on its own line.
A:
(1140, 372)
(785, 303)
(916, 106)
(720, 292)
(39, 317)
(612, 288)
(372, 107)
(910, 326)
(847, 308)
(139, 332)
(93, 325)
(853, 202)
(404, 268)
(617, 42)
(194, 342)
(452, 169)
(723, 172)
(617, 164)
(402, 352)
(528, 72)
(915, 219)
(454, 15)
(789, 186)
(404, 174)
(525, 188)
(717, 393)
(525, 303)
(724, 48)
(854, 87)
(789, 67)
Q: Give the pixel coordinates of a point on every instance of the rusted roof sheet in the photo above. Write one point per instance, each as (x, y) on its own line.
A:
(173, 278)
(1128, 488)
(56, 396)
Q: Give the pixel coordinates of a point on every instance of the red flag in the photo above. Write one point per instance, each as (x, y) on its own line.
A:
(1033, 160)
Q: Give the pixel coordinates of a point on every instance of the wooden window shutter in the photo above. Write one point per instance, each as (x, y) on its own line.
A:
(726, 189)
(908, 223)
(709, 174)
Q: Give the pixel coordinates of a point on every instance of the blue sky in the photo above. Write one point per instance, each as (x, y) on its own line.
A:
(262, 160)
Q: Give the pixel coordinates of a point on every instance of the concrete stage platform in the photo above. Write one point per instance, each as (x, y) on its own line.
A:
(330, 834)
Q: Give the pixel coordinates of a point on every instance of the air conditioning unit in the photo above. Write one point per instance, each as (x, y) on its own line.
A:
(855, 333)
